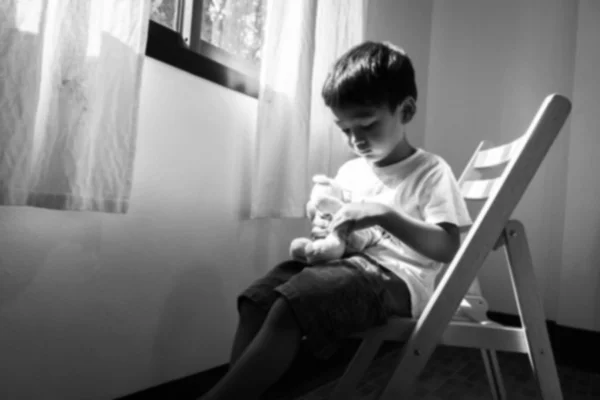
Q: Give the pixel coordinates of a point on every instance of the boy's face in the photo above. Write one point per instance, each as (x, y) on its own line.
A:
(372, 132)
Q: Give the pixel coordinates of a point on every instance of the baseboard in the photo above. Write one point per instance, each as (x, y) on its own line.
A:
(571, 346)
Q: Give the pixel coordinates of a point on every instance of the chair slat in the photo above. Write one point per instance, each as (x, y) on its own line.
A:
(458, 333)
(479, 189)
(498, 155)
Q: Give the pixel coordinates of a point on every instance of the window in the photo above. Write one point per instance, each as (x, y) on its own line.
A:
(219, 40)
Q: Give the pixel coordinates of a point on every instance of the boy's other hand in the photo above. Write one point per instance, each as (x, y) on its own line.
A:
(320, 226)
(356, 216)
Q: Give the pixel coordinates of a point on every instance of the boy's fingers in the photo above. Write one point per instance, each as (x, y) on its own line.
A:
(319, 233)
(323, 179)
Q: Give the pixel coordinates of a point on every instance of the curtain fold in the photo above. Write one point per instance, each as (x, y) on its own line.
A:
(296, 136)
(69, 93)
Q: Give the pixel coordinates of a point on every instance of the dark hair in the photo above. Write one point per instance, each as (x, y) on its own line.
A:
(370, 74)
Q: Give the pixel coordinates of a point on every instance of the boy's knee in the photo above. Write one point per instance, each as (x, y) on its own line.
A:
(281, 316)
(250, 313)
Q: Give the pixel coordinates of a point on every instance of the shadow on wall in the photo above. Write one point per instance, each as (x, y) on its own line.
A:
(22, 264)
(35, 246)
(195, 304)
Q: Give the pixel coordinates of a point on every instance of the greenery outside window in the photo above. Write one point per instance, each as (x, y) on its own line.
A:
(219, 40)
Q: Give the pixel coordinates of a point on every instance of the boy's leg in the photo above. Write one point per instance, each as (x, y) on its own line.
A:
(250, 321)
(256, 301)
(324, 303)
(265, 360)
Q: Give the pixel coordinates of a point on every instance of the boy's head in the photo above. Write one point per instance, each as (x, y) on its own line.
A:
(371, 89)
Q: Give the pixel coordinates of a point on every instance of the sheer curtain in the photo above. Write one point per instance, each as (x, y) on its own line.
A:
(70, 73)
(296, 136)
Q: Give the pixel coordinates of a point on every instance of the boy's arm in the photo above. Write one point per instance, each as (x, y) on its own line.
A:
(440, 242)
(437, 236)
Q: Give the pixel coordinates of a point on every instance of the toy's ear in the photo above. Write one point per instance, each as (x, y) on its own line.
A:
(328, 204)
(319, 190)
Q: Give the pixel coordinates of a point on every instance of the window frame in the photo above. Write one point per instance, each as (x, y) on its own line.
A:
(184, 49)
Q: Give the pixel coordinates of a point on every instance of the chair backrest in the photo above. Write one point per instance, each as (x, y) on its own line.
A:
(495, 179)
(483, 173)
(511, 165)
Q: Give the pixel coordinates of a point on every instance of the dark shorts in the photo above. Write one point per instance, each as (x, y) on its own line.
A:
(332, 301)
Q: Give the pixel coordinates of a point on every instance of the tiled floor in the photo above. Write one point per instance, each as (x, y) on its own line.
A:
(459, 374)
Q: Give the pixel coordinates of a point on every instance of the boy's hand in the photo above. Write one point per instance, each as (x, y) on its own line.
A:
(356, 216)
(320, 226)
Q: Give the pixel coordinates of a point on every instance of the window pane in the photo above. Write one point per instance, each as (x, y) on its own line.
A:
(235, 26)
(165, 12)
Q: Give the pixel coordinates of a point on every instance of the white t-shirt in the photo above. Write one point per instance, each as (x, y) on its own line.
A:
(423, 186)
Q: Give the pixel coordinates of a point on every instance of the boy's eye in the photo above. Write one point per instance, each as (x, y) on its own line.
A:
(361, 128)
(368, 126)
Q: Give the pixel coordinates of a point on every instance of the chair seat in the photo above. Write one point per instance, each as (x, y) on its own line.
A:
(469, 327)
(458, 333)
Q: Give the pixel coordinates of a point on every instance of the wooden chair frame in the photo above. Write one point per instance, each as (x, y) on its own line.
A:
(491, 230)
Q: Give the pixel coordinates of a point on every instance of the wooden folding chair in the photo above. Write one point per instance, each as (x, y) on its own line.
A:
(456, 313)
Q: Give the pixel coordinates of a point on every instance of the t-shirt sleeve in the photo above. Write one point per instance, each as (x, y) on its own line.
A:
(442, 200)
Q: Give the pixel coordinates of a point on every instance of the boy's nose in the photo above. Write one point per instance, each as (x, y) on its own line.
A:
(357, 140)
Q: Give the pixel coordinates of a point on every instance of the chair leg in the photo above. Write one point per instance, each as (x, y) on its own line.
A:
(494, 374)
(359, 364)
(531, 311)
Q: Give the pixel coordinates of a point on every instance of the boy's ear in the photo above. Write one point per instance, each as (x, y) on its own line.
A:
(408, 108)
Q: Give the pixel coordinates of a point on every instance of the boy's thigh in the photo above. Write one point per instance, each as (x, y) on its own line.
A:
(396, 294)
(333, 301)
(262, 291)
(391, 288)
(339, 298)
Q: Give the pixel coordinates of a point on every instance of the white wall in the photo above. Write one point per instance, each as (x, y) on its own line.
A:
(491, 66)
(483, 69)
(407, 24)
(579, 286)
(95, 306)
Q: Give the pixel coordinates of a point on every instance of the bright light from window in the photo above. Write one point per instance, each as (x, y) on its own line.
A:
(97, 15)
(28, 16)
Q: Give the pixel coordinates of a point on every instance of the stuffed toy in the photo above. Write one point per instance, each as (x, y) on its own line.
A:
(326, 198)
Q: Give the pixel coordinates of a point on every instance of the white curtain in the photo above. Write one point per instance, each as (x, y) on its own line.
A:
(296, 136)
(70, 73)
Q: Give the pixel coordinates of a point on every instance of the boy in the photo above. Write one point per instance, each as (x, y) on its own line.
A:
(408, 193)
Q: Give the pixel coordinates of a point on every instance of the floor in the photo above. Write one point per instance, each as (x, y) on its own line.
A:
(452, 373)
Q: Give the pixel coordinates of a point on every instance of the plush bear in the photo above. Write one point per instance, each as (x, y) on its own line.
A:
(326, 198)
